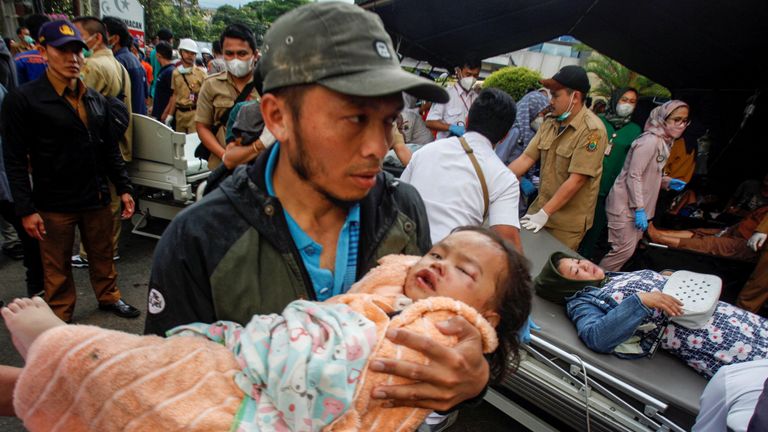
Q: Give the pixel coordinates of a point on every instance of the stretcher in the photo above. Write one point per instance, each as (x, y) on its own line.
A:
(562, 383)
(167, 175)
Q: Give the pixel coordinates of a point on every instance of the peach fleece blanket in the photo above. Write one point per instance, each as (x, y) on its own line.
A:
(386, 282)
(83, 378)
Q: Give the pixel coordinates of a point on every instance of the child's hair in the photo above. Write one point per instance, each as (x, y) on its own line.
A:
(513, 304)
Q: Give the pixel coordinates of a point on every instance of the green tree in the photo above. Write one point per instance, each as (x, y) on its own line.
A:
(515, 80)
(613, 75)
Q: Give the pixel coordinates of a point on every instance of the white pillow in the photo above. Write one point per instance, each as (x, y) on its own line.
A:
(699, 294)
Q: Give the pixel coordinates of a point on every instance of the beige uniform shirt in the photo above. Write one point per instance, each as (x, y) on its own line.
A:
(103, 73)
(217, 95)
(579, 148)
(187, 91)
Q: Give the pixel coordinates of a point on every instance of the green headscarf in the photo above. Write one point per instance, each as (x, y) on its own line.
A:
(553, 286)
(611, 116)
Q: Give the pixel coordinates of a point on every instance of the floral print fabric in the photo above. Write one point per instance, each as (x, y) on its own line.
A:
(731, 335)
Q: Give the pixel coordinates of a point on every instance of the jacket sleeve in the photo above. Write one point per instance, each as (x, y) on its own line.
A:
(116, 172)
(640, 156)
(601, 329)
(16, 152)
(179, 284)
(411, 204)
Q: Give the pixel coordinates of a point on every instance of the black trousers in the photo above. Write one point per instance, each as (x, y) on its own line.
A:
(32, 261)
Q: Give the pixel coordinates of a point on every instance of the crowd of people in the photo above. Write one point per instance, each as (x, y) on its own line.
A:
(298, 213)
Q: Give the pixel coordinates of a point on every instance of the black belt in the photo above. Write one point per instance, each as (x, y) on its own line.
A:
(186, 109)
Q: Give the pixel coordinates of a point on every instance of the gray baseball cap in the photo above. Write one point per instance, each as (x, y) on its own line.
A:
(339, 46)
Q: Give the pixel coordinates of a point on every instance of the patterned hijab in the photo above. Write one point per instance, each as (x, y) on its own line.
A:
(614, 118)
(528, 108)
(657, 121)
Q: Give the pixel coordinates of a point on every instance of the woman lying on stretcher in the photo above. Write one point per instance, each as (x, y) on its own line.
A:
(627, 314)
(305, 369)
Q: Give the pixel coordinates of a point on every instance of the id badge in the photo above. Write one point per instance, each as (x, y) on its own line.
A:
(192, 97)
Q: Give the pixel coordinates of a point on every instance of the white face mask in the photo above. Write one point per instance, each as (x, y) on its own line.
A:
(184, 70)
(624, 109)
(537, 122)
(239, 68)
(467, 82)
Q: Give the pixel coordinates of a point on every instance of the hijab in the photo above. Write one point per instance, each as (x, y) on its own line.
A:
(528, 108)
(657, 121)
(611, 115)
(553, 286)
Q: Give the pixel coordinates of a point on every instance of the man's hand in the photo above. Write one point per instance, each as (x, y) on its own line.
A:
(452, 376)
(34, 226)
(128, 205)
(664, 302)
(756, 241)
(535, 221)
(456, 130)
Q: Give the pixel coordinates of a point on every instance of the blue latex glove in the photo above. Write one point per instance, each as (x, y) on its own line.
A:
(676, 185)
(641, 220)
(456, 130)
(527, 186)
(524, 334)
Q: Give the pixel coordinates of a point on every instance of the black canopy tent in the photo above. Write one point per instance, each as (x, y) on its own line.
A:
(680, 44)
(708, 53)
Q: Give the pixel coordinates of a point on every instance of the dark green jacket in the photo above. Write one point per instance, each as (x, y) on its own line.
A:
(231, 255)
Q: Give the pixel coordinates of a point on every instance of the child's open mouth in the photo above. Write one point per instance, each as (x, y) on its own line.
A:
(426, 279)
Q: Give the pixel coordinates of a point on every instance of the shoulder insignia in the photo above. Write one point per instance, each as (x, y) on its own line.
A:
(592, 141)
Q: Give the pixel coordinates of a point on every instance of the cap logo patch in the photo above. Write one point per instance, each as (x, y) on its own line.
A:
(66, 30)
(381, 49)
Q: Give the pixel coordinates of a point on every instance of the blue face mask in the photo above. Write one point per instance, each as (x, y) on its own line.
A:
(567, 113)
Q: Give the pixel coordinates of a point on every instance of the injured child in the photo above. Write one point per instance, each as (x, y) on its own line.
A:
(628, 315)
(303, 370)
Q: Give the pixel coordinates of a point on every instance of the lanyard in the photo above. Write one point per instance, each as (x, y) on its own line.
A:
(459, 89)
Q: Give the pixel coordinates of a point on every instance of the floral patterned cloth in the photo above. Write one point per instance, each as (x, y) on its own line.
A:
(731, 335)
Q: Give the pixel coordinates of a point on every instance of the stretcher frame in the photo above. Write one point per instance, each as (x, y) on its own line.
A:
(165, 169)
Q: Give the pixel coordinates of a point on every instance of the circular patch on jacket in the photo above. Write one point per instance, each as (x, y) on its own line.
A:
(156, 302)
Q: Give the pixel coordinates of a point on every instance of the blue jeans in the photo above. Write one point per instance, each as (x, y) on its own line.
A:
(601, 322)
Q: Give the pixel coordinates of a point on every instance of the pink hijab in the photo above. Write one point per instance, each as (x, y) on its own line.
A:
(656, 123)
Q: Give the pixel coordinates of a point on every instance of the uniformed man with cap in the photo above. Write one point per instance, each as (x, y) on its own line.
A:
(570, 146)
(70, 160)
(314, 211)
(186, 82)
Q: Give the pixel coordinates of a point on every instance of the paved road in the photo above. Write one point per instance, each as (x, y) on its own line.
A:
(133, 275)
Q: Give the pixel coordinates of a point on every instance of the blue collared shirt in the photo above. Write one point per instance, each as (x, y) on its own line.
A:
(325, 282)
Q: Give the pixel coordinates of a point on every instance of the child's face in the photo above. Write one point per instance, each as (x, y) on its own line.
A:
(464, 266)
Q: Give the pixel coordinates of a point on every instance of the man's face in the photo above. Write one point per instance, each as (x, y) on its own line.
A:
(24, 32)
(65, 61)
(92, 40)
(236, 49)
(561, 101)
(466, 71)
(187, 57)
(465, 266)
(339, 141)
